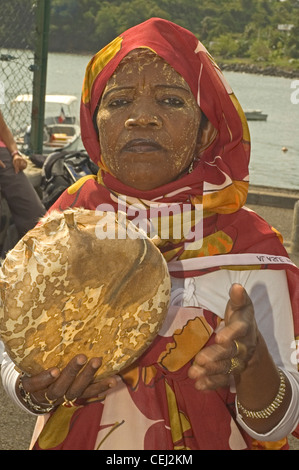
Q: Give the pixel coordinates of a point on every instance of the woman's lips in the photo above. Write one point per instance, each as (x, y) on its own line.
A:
(141, 146)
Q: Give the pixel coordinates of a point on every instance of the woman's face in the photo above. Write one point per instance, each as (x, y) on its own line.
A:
(148, 122)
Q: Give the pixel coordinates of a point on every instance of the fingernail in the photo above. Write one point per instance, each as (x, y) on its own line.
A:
(81, 360)
(96, 362)
(55, 373)
(200, 386)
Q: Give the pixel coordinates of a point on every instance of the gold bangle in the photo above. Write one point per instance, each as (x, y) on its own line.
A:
(266, 412)
(27, 399)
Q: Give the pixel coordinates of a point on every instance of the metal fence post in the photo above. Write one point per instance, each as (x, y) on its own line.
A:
(40, 76)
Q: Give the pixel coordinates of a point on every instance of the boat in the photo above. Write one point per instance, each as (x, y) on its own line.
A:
(61, 126)
(255, 115)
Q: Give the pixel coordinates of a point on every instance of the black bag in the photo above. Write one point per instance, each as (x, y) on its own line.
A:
(60, 170)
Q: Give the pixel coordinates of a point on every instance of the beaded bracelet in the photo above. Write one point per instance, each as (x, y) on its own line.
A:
(32, 406)
(266, 412)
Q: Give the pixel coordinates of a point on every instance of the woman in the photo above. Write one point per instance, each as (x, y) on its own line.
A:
(164, 127)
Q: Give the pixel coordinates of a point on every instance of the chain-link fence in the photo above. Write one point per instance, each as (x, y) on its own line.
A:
(17, 43)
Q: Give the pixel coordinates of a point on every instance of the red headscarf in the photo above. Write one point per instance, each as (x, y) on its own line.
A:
(222, 173)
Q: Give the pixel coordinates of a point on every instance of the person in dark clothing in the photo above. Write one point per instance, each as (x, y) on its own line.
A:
(23, 201)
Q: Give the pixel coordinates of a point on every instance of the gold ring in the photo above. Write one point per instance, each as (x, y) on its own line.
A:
(234, 364)
(51, 402)
(237, 346)
(68, 402)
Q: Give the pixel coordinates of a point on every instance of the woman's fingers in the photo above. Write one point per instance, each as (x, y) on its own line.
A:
(67, 377)
(99, 388)
(214, 373)
(240, 324)
(76, 380)
(19, 164)
(238, 296)
(212, 365)
(83, 379)
(239, 306)
(234, 344)
(203, 381)
(40, 381)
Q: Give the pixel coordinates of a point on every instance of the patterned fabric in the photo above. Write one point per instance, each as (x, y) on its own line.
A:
(155, 400)
(155, 405)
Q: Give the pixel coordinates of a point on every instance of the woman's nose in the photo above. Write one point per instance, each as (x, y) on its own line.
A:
(143, 117)
(143, 121)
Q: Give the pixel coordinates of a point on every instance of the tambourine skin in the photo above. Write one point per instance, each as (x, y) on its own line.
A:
(65, 291)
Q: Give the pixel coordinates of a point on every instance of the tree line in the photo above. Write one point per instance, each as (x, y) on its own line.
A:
(230, 29)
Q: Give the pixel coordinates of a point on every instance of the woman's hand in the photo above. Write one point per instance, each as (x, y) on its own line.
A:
(75, 381)
(235, 344)
(19, 163)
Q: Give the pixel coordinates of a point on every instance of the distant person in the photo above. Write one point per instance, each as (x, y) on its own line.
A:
(22, 199)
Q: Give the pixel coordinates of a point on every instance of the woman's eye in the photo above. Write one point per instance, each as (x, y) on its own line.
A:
(172, 101)
(118, 102)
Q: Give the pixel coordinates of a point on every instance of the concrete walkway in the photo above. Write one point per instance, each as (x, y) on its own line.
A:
(276, 206)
